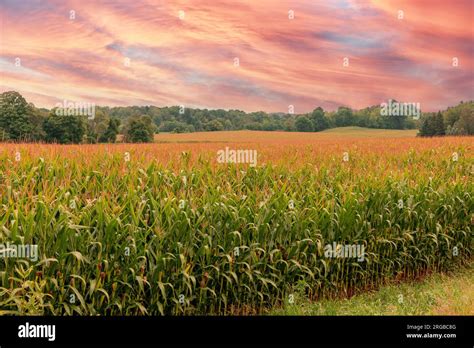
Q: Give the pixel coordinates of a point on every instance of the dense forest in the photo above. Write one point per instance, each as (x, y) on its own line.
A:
(177, 119)
(22, 121)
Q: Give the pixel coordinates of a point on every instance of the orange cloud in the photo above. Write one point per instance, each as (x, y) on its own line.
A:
(185, 52)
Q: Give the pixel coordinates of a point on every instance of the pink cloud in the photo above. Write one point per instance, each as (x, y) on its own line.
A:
(283, 61)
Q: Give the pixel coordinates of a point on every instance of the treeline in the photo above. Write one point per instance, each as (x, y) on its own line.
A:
(181, 120)
(22, 121)
(457, 120)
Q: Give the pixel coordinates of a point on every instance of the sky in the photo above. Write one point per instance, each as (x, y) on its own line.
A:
(269, 55)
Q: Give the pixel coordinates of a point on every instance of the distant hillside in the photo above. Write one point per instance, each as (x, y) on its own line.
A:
(185, 120)
(370, 132)
(246, 136)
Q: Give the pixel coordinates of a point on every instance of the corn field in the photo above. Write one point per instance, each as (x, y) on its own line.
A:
(162, 229)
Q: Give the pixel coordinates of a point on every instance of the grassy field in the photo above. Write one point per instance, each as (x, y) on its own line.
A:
(166, 228)
(252, 136)
(436, 294)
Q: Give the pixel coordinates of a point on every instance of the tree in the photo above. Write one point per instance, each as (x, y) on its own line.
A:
(460, 119)
(432, 125)
(438, 124)
(227, 125)
(289, 124)
(96, 127)
(214, 125)
(303, 124)
(343, 117)
(175, 127)
(36, 118)
(110, 134)
(426, 128)
(64, 129)
(139, 129)
(15, 115)
(466, 120)
(319, 120)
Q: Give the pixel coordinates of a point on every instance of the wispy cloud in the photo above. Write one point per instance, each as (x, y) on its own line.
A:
(142, 52)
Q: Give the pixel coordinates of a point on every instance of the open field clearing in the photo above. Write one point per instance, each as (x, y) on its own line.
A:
(296, 137)
(166, 229)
